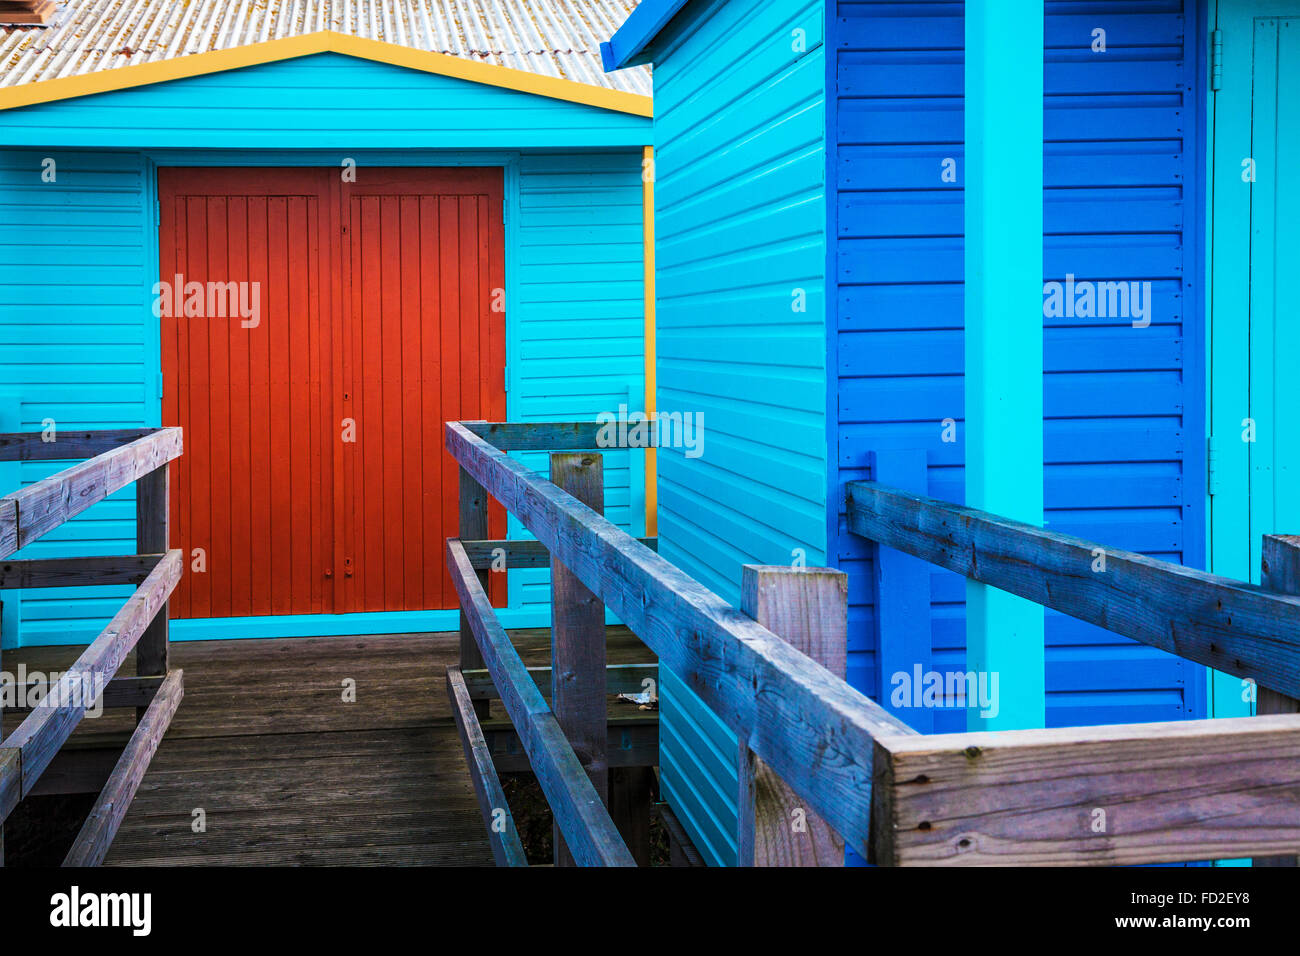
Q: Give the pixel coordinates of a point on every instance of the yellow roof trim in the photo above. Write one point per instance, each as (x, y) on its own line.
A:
(323, 41)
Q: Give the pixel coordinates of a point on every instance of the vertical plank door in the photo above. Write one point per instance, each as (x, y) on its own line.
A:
(252, 503)
(315, 478)
(423, 335)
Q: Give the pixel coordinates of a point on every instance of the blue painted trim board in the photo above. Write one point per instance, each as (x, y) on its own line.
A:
(903, 639)
(637, 32)
(1004, 350)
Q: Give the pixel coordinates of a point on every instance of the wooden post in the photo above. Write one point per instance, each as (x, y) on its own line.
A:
(152, 529)
(1279, 571)
(578, 640)
(473, 527)
(808, 608)
(631, 805)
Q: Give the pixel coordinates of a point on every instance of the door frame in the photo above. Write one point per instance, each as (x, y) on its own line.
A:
(1232, 552)
(371, 622)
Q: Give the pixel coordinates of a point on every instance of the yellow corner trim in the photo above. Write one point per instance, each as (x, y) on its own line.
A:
(324, 41)
(651, 384)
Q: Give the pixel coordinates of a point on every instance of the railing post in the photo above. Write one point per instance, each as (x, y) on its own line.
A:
(152, 536)
(808, 608)
(1279, 571)
(578, 640)
(473, 527)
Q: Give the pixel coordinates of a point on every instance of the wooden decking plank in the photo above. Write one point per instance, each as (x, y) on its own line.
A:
(266, 746)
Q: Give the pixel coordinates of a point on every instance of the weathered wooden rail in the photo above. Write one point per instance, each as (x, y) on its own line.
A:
(797, 720)
(772, 670)
(119, 459)
(1162, 792)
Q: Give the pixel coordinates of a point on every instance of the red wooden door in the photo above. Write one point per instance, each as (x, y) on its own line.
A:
(314, 478)
(423, 255)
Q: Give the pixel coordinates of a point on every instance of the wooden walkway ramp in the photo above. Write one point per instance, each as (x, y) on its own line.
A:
(286, 772)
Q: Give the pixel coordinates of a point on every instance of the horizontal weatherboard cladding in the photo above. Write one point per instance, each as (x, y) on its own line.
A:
(1122, 437)
(319, 101)
(73, 281)
(577, 345)
(79, 344)
(740, 250)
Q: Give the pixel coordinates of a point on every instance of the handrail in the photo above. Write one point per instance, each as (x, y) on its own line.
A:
(39, 508)
(1183, 790)
(39, 737)
(579, 812)
(121, 457)
(1180, 791)
(1229, 625)
(810, 726)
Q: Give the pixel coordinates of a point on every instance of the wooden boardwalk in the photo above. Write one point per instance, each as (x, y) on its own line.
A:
(286, 772)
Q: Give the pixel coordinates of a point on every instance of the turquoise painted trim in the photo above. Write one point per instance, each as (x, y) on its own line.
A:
(1230, 329)
(1004, 338)
(10, 481)
(152, 334)
(341, 625)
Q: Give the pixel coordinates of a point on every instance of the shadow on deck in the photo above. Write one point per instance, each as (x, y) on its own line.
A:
(286, 772)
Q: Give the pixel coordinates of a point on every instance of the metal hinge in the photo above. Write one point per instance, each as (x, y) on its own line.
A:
(157, 212)
(505, 216)
(1216, 59)
(505, 376)
(160, 384)
(1211, 466)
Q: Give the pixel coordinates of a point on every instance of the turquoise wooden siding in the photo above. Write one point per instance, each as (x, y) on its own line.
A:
(320, 101)
(578, 342)
(78, 341)
(1123, 406)
(740, 263)
(74, 285)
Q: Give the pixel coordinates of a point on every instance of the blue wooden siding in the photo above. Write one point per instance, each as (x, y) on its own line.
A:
(319, 101)
(1124, 405)
(740, 247)
(78, 341)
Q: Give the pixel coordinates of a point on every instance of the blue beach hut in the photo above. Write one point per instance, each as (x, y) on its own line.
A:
(1016, 255)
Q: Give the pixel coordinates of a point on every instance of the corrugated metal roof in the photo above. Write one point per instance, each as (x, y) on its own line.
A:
(559, 38)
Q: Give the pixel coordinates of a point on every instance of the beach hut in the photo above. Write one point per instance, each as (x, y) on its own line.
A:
(1018, 255)
(310, 234)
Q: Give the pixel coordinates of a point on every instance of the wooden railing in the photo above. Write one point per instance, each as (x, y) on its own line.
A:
(810, 743)
(120, 458)
(796, 719)
(1139, 793)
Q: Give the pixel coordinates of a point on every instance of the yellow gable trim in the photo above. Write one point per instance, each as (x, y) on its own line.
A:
(325, 41)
